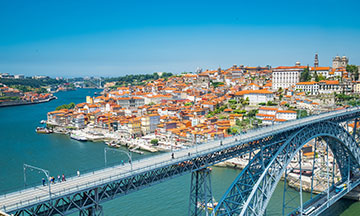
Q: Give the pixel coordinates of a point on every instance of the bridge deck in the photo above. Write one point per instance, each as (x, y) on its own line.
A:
(39, 194)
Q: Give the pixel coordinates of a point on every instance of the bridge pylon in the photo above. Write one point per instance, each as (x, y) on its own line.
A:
(201, 199)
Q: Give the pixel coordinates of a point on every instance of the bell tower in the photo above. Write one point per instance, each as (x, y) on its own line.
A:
(316, 61)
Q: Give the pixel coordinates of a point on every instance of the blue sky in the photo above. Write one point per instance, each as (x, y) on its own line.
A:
(113, 38)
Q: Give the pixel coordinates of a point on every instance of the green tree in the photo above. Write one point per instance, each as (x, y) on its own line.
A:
(154, 142)
(302, 113)
(305, 75)
(354, 70)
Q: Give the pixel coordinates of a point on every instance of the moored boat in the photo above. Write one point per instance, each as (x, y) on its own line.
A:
(77, 137)
(42, 130)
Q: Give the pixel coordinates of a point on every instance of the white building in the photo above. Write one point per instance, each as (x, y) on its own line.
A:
(311, 88)
(286, 114)
(255, 96)
(285, 77)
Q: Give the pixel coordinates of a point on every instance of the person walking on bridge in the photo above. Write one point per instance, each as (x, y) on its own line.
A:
(59, 179)
(78, 173)
(63, 177)
(43, 181)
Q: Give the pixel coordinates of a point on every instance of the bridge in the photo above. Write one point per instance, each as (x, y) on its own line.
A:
(269, 150)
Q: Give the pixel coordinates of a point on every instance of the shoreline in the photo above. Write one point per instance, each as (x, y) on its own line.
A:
(23, 103)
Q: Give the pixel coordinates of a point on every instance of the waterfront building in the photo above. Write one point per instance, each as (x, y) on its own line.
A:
(286, 77)
(78, 121)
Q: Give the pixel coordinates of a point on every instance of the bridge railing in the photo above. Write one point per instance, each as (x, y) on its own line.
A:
(202, 149)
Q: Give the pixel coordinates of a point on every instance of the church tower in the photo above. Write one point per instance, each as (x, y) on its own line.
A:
(316, 61)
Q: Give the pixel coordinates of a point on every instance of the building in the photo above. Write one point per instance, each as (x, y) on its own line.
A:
(255, 96)
(311, 88)
(329, 86)
(356, 86)
(79, 121)
(286, 114)
(340, 62)
(316, 61)
(285, 77)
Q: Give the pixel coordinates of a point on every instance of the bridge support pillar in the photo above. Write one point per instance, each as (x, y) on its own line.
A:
(92, 211)
(201, 199)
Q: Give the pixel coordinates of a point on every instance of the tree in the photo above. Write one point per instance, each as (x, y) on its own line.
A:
(316, 77)
(154, 142)
(320, 77)
(252, 113)
(354, 70)
(302, 113)
(66, 106)
(305, 75)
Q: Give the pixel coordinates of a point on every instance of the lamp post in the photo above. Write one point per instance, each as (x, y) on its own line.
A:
(106, 149)
(46, 172)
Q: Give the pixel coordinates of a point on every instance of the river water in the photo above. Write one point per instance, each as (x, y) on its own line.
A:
(59, 154)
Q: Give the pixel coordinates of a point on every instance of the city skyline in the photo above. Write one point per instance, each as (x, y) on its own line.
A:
(116, 39)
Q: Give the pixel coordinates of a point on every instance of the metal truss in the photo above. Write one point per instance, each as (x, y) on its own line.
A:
(83, 200)
(252, 190)
(201, 198)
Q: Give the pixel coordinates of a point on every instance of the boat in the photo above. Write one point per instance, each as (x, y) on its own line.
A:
(42, 122)
(42, 130)
(136, 151)
(77, 137)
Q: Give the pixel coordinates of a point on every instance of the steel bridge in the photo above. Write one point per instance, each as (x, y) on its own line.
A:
(269, 150)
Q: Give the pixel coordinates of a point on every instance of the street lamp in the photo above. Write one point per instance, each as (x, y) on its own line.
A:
(46, 172)
(118, 150)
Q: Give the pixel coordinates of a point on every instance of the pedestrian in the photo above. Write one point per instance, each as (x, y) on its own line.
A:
(172, 155)
(43, 181)
(221, 142)
(189, 154)
(122, 162)
(78, 173)
(53, 180)
(59, 179)
(63, 177)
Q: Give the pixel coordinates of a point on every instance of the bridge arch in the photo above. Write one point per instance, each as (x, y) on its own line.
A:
(251, 191)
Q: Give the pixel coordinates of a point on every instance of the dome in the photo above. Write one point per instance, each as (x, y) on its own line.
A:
(337, 58)
(344, 57)
(297, 63)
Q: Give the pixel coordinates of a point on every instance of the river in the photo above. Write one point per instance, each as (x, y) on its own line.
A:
(59, 154)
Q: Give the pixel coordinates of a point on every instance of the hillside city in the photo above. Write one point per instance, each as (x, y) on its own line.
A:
(176, 111)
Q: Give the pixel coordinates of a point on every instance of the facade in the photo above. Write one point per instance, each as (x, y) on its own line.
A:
(286, 114)
(311, 88)
(255, 96)
(79, 121)
(329, 86)
(356, 87)
(324, 71)
(130, 101)
(285, 77)
(340, 62)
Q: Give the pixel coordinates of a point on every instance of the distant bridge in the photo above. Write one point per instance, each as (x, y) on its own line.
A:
(270, 151)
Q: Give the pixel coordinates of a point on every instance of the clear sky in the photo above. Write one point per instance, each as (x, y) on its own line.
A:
(112, 38)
